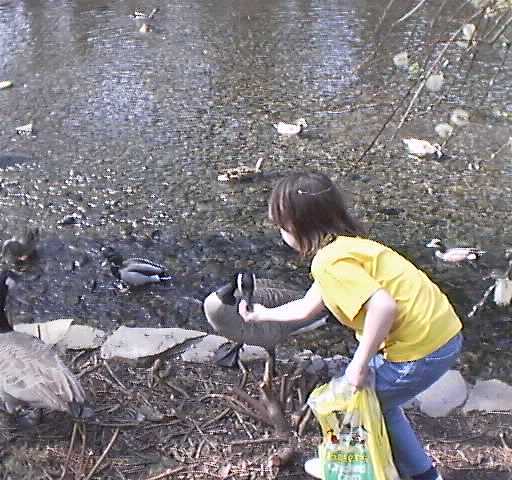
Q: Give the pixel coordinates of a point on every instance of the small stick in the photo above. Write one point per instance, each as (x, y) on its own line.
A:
(304, 422)
(70, 449)
(479, 305)
(199, 448)
(87, 370)
(103, 455)
(501, 30)
(244, 426)
(218, 417)
(409, 13)
(502, 438)
(83, 434)
(178, 389)
(166, 473)
(507, 143)
(258, 441)
(114, 376)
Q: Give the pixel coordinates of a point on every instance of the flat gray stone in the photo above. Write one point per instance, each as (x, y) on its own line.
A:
(204, 350)
(50, 332)
(448, 393)
(489, 396)
(82, 337)
(132, 343)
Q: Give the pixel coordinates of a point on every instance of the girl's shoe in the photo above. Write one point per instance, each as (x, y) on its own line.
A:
(313, 467)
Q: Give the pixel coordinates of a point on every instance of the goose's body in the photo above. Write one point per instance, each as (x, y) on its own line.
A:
(455, 254)
(288, 129)
(422, 148)
(221, 310)
(502, 286)
(31, 373)
(21, 247)
(136, 272)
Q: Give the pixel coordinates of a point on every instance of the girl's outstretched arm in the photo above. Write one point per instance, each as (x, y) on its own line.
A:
(305, 308)
(381, 311)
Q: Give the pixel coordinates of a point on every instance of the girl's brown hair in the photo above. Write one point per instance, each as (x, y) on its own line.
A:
(310, 207)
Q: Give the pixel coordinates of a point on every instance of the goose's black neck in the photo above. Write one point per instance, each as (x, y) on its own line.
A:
(5, 326)
(226, 293)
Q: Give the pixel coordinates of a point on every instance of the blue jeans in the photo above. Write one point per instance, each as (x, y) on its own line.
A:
(398, 382)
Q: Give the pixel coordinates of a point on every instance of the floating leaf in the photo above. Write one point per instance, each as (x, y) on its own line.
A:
(5, 84)
(468, 30)
(459, 117)
(444, 130)
(435, 82)
(401, 59)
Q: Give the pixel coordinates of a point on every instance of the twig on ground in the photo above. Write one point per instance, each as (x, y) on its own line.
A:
(114, 376)
(258, 441)
(70, 449)
(217, 418)
(166, 473)
(103, 455)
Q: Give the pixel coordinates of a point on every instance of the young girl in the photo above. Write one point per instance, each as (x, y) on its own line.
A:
(407, 329)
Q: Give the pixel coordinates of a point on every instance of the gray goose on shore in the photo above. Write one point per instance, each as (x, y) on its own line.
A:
(221, 310)
(31, 373)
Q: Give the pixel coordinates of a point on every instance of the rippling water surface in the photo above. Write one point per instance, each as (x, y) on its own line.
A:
(131, 130)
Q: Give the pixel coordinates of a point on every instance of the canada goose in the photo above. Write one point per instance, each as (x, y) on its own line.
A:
(221, 310)
(31, 373)
(22, 247)
(502, 286)
(454, 255)
(294, 128)
(135, 272)
(422, 148)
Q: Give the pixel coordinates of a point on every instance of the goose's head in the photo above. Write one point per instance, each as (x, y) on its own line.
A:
(246, 283)
(115, 271)
(438, 150)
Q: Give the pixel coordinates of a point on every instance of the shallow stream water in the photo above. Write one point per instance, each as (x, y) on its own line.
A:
(131, 130)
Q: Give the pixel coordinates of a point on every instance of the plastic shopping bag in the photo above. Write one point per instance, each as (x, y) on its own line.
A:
(355, 444)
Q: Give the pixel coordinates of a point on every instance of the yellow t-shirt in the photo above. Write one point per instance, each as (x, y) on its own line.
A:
(350, 270)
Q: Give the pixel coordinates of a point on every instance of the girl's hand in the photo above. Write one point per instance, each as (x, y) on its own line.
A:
(356, 374)
(256, 315)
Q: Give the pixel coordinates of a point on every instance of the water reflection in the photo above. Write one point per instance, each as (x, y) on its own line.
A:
(133, 128)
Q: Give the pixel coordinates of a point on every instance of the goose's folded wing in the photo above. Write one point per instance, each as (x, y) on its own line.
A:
(274, 295)
(33, 374)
